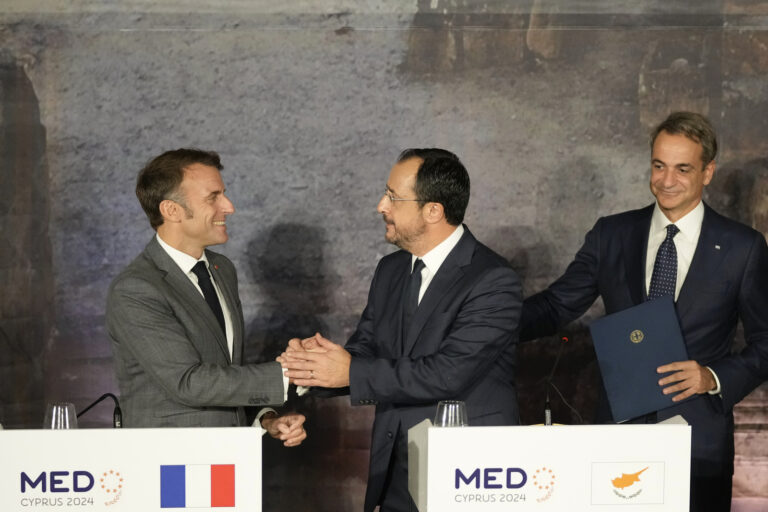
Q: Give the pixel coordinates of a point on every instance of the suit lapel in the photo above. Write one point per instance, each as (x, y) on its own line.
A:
(635, 247)
(709, 254)
(449, 273)
(228, 292)
(184, 287)
(394, 308)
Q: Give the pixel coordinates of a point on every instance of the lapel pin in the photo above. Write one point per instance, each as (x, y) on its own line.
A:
(217, 267)
(717, 247)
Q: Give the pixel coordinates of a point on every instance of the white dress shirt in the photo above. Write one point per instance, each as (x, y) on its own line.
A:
(435, 258)
(685, 246)
(185, 263)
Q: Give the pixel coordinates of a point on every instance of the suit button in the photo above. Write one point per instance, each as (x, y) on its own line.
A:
(389, 435)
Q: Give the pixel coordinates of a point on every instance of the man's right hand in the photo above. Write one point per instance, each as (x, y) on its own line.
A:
(296, 345)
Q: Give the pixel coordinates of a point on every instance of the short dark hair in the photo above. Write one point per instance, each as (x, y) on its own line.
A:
(694, 126)
(161, 177)
(441, 178)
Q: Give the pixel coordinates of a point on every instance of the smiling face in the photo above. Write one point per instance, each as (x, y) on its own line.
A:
(678, 174)
(404, 220)
(204, 222)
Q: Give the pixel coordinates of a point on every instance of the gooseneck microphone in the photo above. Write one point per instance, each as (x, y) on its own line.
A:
(117, 414)
(547, 408)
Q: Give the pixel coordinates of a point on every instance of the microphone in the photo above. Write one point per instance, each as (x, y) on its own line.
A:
(117, 414)
(547, 408)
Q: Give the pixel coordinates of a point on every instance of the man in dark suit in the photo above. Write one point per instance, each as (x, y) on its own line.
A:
(441, 323)
(717, 271)
(174, 314)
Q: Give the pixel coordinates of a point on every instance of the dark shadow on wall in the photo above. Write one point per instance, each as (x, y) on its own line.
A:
(577, 374)
(328, 471)
(26, 270)
(289, 266)
(740, 192)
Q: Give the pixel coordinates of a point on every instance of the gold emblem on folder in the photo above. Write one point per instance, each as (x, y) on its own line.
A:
(636, 336)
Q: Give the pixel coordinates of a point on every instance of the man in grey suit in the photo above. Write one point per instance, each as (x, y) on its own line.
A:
(174, 314)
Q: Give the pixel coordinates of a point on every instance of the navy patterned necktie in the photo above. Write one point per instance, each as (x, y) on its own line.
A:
(209, 292)
(412, 295)
(664, 277)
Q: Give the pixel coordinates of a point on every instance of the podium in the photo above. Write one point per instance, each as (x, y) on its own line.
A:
(131, 469)
(642, 468)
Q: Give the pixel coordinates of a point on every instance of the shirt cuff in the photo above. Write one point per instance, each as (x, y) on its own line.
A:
(257, 422)
(302, 390)
(717, 389)
(286, 383)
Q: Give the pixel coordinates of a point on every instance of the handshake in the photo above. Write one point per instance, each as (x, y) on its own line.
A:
(316, 361)
(313, 361)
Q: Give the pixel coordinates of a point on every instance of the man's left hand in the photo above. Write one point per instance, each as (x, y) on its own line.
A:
(288, 428)
(688, 378)
(327, 366)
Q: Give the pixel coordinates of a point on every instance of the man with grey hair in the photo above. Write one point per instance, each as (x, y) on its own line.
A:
(716, 269)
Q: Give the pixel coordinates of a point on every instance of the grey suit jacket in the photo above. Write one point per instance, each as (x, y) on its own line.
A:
(170, 354)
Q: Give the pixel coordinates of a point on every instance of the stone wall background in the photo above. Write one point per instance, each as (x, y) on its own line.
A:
(548, 103)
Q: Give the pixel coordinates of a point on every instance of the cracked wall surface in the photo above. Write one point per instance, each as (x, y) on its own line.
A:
(548, 103)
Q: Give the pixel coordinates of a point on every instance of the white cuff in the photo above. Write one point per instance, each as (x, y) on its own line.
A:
(286, 383)
(717, 389)
(257, 422)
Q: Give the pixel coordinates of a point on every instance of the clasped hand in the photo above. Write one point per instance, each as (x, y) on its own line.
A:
(316, 361)
(288, 428)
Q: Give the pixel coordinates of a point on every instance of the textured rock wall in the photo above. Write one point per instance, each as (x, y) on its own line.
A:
(26, 273)
(548, 103)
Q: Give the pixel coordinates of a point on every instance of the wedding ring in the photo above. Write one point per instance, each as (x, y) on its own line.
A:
(311, 374)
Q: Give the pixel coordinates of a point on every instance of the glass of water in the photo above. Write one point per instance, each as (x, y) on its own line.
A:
(60, 415)
(451, 413)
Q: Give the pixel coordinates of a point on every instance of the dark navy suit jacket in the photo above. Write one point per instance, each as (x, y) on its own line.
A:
(727, 281)
(461, 345)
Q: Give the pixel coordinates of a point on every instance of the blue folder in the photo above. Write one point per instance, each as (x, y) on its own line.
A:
(630, 345)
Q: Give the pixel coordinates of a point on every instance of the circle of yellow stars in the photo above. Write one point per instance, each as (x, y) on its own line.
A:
(543, 478)
(111, 481)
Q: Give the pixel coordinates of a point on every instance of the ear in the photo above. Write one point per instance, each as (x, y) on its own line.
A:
(171, 211)
(433, 213)
(709, 171)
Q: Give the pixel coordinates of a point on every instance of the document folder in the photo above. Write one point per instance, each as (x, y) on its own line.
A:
(630, 345)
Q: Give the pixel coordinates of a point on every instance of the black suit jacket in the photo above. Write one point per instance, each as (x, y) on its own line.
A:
(461, 345)
(727, 281)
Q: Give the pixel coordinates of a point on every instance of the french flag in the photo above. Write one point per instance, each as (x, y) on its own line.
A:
(197, 486)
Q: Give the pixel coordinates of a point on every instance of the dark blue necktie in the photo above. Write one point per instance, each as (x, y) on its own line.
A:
(209, 292)
(664, 277)
(411, 302)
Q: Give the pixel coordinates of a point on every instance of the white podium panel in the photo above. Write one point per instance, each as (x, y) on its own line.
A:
(639, 468)
(131, 469)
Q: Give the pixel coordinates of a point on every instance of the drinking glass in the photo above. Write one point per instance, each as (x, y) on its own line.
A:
(60, 415)
(451, 413)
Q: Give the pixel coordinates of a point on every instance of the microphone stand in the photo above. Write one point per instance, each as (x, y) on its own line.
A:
(117, 415)
(547, 408)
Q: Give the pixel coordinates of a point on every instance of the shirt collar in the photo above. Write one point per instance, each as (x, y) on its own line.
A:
(184, 261)
(689, 225)
(434, 258)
